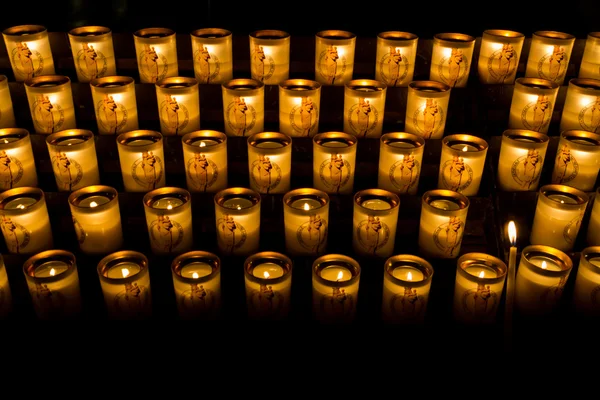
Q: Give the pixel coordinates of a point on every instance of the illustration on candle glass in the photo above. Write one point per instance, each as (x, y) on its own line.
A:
(408, 304)
(312, 235)
(241, 117)
(456, 175)
(79, 231)
(331, 65)
(552, 66)
(372, 234)
(90, 63)
(502, 63)
(49, 304)
(428, 118)
(263, 66)
(535, 116)
(207, 65)
(198, 299)
(552, 295)
(16, 235)
(202, 171)
(572, 228)
(153, 66)
(231, 233)
(566, 166)
(307, 113)
(28, 63)
(404, 173)
(11, 170)
(132, 300)
(458, 66)
(266, 302)
(174, 116)
(526, 169)
(338, 304)
(48, 117)
(147, 171)
(335, 173)
(448, 236)
(393, 67)
(112, 115)
(67, 171)
(266, 174)
(165, 233)
(481, 302)
(589, 116)
(362, 118)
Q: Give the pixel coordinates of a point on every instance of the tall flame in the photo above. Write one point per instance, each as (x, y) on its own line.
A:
(465, 148)
(124, 272)
(52, 272)
(482, 274)
(340, 275)
(306, 207)
(267, 275)
(544, 265)
(409, 276)
(512, 233)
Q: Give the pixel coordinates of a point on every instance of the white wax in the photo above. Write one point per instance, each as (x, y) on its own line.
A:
(268, 271)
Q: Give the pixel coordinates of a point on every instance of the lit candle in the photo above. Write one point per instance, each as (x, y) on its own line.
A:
(395, 58)
(141, 157)
(17, 162)
(93, 52)
(581, 108)
(7, 114)
(427, 109)
(364, 107)
(532, 104)
(586, 295)
(270, 56)
(375, 219)
(400, 161)
(549, 55)
(590, 62)
(25, 221)
(462, 163)
(499, 55)
(115, 104)
(334, 159)
(270, 162)
(51, 103)
(243, 107)
(205, 160)
(213, 58)
(125, 283)
(334, 57)
(178, 101)
(451, 58)
(577, 160)
(306, 221)
(510, 276)
(156, 50)
(593, 229)
(5, 292)
(299, 107)
(29, 52)
(237, 217)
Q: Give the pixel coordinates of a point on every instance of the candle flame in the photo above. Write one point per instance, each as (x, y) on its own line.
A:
(239, 207)
(170, 207)
(306, 207)
(202, 144)
(340, 275)
(512, 233)
(409, 276)
(52, 272)
(544, 265)
(195, 275)
(124, 272)
(21, 206)
(5, 141)
(465, 148)
(482, 274)
(93, 204)
(267, 275)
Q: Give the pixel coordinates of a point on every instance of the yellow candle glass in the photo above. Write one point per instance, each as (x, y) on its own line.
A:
(156, 50)
(51, 103)
(29, 52)
(270, 162)
(462, 163)
(334, 159)
(549, 55)
(237, 217)
(270, 56)
(7, 113)
(521, 159)
(581, 109)
(499, 55)
(243, 107)
(334, 57)
(364, 108)
(375, 219)
(586, 294)
(532, 104)
(451, 58)
(5, 292)
(306, 221)
(590, 62)
(427, 109)
(16, 159)
(577, 160)
(395, 58)
(205, 159)
(299, 107)
(400, 162)
(93, 52)
(141, 157)
(213, 55)
(115, 104)
(178, 105)
(593, 229)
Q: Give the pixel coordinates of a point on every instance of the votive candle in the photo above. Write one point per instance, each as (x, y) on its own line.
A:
(51, 103)
(243, 107)
(141, 157)
(17, 162)
(156, 54)
(178, 101)
(427, 109)
(237, 217)
(270, 162)
(205, 160)
(93, 52)
(334, 160)
(462, 163)
(334, 57)
(115, 104)
(395, 58)
(306, 221)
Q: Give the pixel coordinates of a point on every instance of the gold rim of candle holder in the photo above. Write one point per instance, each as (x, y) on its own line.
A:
(3, 79)
(591, 139)
(505, 34)
(531, 138)
(305, 85)
(229, 193)
(268, 256)
(324, 137)
(593, 36)
(335, 35)
(79, 195)
(55, 139)
(428, 87)
(170, 191)
(371, 194)
(463, 138)
(562, 259)
(588, 254)
(48, 83)
(578, 195)
(154, 35)
(268, 35)
(20, 133)
(553, 35)
(469, 259)
(373, 85)
(258, 138)
(315, 194)
(243, 86)
(90, 33)
(194, 256)
(31, 32)
(27, 191)
(111, 83)
(177, 85)
(47, 256)
(118, 257)
(537, 83)
(409, 260)
(190, 138)
(453, 38)
(399, 36)
(443, 194)
(212, 34)
(125, 138)
(336, 259)
(394, 137)
(585, 85)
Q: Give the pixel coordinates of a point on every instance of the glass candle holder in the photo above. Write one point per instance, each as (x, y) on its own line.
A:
(25, 221)
(375, 219)
(541, 277)
(532, 104)
(364, 107)
(499, 55)
(237, 216)
(270, 56)
(581, 109)
(335, 281)
(156, 50)
(299, 107)
(268, 281)
(442, 223)
(395, 58)
(73, 157)
(197, 285)
(17, 162)
(549, 55)
(125, 284)
(593, 229)
(590, 61)
(558, 216)
(400, 161)
(521, 159)
(243, 107)
(586, 294)
(462, 163)
(115, 104)
(178, 105)
(29, 52)
(97, 219)
(427, 109)
(93, 52)
(406, 285)
(334, 159)
(451, 58)
(141, 157)
(577, 160)
(334, 57)
(7, 113)
(270, 162)
(306, 220)
(5, 292)
(213, 55)
(51, 103)
(205, 159)
(478, 288)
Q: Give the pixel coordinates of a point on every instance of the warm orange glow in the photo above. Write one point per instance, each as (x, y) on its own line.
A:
(482, 274)
(267, 275)
(409, 276)
(169, 207)
(465, 148)
(306, 207)
(93, 204)
(340, 275)
(544, 266)
(52, 272)
(195, 275)
(512, 233)
(202, 144)
(124, 272)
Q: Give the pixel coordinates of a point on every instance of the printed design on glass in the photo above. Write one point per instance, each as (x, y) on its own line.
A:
(480, 302)
(48, 117)
(456, 174)
(165, 233)
(393, 67)
(90, 63)
(263, 66)
(265, 174)
(572, 228)
(338, 303)
(265, 301)
(207, 65)
(448, 236)
(553, 66)
(551, 296)
(566, 166)
(536, 116)
(526, 169)
(111, 115)
(363, 118)
(429, 118)
(404, 173)
(335, 172)
(197, 298)
(152, 65)
(241, 117)
(202, 171)
(132, 300)
(331, 65)
(79, 231)
(231, 233)
(27, 62)
(147, 171)
(16, 235)
(11, 170)
(68, 172)
(408, 304)
(48, 303)
(174, 116)
(458, 66)
(372, 234)
(304, 117)
(589, 116)
(312, 235)
(502, 63)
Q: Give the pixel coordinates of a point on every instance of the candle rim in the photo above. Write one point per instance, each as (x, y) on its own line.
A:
(25, 191)
(258, 138)
(555, 35)
(146, 34)
(459, 199)
(204, 33)
(394, 137)
(196, 256)
(336, 259)
(586, 85)
(501, 34)
(289, 84)
(101, 84)
(190, 138)
(336, 35)
(377, 194)
(355, 84)
(556, 255)
(470, 259)
(591, 139)
(247, 85)
(454, 37)
(410, 260)
(398, 36)
(34, 31)
(43, 257)
(537, 83)
(233, 192)
(534, 139)
(48, 83)
(55, 140)
(125, 138)
(21, 134)
(166, 84)
(168, 191)
(428, 85)
(588, 254)
(269, 35)
(568, 191)
(77, 196)
(268, 257)
(83, 32)
(119, 257)
(320, 138)
(297, 194)
(466, 139)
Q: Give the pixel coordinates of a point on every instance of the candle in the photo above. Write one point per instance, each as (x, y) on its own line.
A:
(499, 55)
(213, 59)
(51, 103)
(334, 57)
(462, 163)
(178, 105)
(442, 223)
(237, 217)
(93, 52)
(427, 109)
(197, 285)
(532, 104)
(53, 284)
(577, 160)
(334, 158)
(29, 52)
(73, 156)
(541, 276)
(205, 160)
(558, 216)
(270, 56)
(5, 292)
(549, 55)
(395, 58)
(156, 50)
(375, 219)
(478, 288)
(521, 159)
(400, 161)
(7, 114)
(593, 229)
(451, 58)
(25, 221)
(364, 107)
(243, 107)
(299, 107)
(141, 157)
(17, 162)
(590, 61)
(268, 281)
(586, 294)
(510, 276)
(270, 162)
(306, 221)
(581, 108)
(115, 104)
